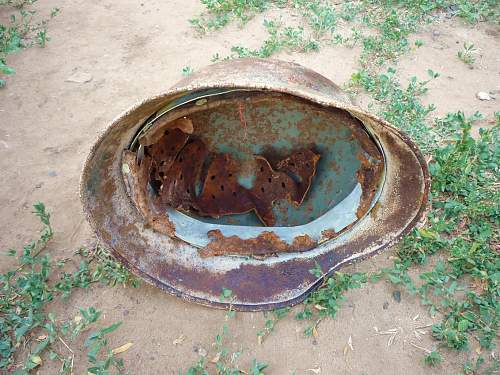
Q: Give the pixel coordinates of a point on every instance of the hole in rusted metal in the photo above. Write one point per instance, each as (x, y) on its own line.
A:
(179, 194)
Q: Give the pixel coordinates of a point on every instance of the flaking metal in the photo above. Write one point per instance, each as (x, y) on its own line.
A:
(370, 187)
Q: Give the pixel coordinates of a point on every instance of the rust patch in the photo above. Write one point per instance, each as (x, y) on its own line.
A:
(270, 186)
(368, 176)
(165, 150)
(136, 177)
(328, 234)
(179, 183)
(301, 165)
(265, 244)
(161, 224)
(221, 193)
(137, 180)
(374, 211)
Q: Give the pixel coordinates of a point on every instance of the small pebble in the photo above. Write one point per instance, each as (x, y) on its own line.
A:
(80, 77)
(481, 95)
(397, 296)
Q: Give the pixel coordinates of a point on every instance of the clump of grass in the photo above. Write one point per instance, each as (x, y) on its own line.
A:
(23, 31)
(467, 54)
(224, 361)
(27, 291)
(400, 106)
(433, 359)
(390, 24)
(464, 222)
(220, 12)
(326, 300)
(292, 39)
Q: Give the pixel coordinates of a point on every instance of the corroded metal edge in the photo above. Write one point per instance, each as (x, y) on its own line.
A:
(329, 96)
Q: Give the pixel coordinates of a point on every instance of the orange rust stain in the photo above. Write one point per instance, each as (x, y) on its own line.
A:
(241, 112)
(174, 164)
(265, 244)
(374, 211)
(368, 176)
(162, 224)
(328, 234)
(136, 180)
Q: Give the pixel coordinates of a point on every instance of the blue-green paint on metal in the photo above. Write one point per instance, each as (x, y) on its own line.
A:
(224, 132)
(246, 181)
(343, 214)
(175, 103)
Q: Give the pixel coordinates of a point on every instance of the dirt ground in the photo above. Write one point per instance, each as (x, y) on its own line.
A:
(134, 50)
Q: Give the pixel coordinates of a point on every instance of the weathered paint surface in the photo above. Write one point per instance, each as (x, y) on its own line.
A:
(281, 194)
(257, 284)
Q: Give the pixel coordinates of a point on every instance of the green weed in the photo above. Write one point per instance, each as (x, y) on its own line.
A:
(433, 359)
(292, 39)
(224, 361)
(220, 12)
(27, 291)
(389, 24)
(467, 54)
(271, 320)
(471, 368)
(463, 223)
(399, 106)
(187, 70)
(100, 355)
(23, 31)
(326, 300)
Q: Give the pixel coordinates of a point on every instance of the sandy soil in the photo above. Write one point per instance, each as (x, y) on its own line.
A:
(135, 50)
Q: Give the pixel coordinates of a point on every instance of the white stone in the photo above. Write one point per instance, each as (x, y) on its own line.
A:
(80, 77)
(481, 95)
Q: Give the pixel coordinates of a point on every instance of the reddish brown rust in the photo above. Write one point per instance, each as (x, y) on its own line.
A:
(302, 165)
(368, 176)
(328, 234)
(136, 180)
(161, 224)
(165, 150)
(174, 164)
(270, 186)
(265, 244)
(179, 183)
(374, 210)
(221, 194)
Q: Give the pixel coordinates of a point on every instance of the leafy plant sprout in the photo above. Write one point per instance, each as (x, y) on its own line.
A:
(467, 54)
